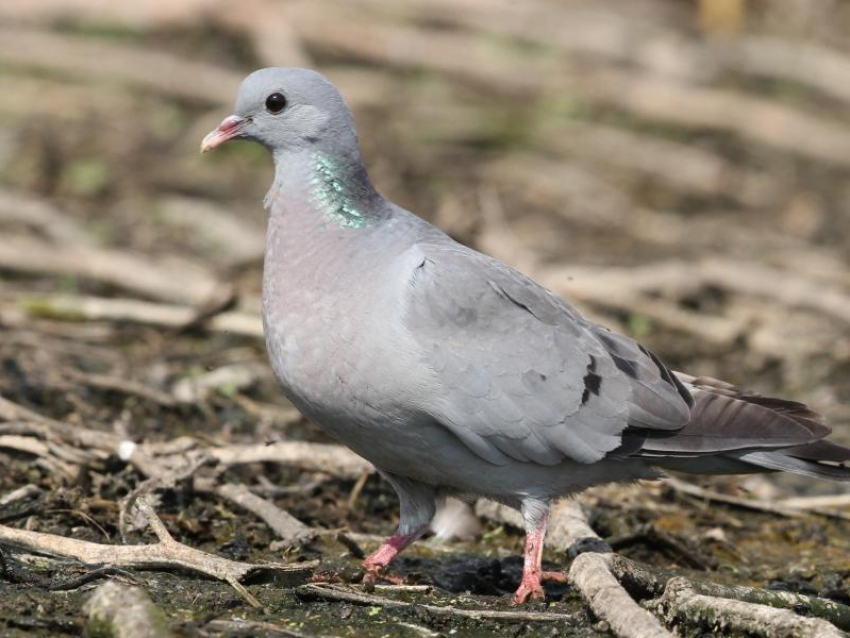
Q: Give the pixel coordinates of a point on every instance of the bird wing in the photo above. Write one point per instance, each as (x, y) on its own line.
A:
(522, 375)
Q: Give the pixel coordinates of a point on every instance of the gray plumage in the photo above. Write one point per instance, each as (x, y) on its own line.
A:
(452, 372)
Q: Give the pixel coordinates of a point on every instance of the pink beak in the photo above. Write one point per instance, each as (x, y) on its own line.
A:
(229, 128)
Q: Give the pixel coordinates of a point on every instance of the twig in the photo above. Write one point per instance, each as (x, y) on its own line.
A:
(166, 554)
(124, 386)
(227, 236)
(23, 493)
(592, 576)
(173, 280)
(351, 545)
(351, 501)
(81, 308)
(643, 582)
(256, 628)
(333, 592)
(160, 476)
(321, 457)
(712, 495)
(683, 603)
(816, 502)
(51, 429)
(121, 611)
(236, 376)
(289, 529)
(97, 60)
(40, 449)
(654, 538)
(23, 208)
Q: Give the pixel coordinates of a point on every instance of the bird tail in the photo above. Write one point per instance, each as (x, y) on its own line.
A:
(786, 462)
(734, 431)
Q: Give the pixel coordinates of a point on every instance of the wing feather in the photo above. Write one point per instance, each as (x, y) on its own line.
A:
(522, 375)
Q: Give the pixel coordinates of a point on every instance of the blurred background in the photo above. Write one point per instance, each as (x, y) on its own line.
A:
(679, 169)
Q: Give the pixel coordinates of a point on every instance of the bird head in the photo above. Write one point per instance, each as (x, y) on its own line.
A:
(285, 110)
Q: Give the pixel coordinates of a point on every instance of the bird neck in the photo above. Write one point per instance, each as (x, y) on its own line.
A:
(334, 185)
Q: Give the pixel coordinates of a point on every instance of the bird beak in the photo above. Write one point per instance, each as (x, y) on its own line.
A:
(229, 128)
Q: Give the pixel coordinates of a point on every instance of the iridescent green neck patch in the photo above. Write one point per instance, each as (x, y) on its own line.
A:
(332, 190)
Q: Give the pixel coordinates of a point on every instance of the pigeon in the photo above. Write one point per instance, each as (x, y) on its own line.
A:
(453, 373)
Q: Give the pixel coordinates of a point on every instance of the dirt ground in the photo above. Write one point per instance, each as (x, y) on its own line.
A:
(680, 170)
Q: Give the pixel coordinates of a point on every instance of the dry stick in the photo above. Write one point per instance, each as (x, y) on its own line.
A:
(778, 285)
(90, 60)
(333, 592)
(316, 457)
(166, 554)
(696, 491)
(351, 501)
(645, 583)
(289, 529)
(592, 575)
(23, 493)
(816, 502)
(83, 308)
(124, 386)
(159, 477)
(121, 611)
(172, 279)
(24, 208)
(51, 429)
(45, 453)
(683, 603)
(255, 628)
(166, 539)
(228, 237)
(683, 167)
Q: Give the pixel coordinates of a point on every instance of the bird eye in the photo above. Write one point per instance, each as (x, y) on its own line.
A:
(275, 103)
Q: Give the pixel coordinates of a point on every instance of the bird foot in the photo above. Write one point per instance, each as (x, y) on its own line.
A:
(376, 563)
(531, 586)
(374, 573)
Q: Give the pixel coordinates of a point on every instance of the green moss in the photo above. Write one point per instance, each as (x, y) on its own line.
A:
(47, 309)
(87, 176)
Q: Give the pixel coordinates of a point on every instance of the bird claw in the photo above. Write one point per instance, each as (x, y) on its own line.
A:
(528, 591)
(374, 573)
(531, 588)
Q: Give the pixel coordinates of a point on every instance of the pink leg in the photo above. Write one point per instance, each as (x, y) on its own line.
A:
(531, 588)
(378, 561)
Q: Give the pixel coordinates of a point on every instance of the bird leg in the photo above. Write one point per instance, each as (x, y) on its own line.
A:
(533, 576)
(377, 561)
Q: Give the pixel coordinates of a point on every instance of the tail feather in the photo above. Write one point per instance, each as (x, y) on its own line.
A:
(733, 430)
(722, 423)
(820, 451)
(782, 462)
